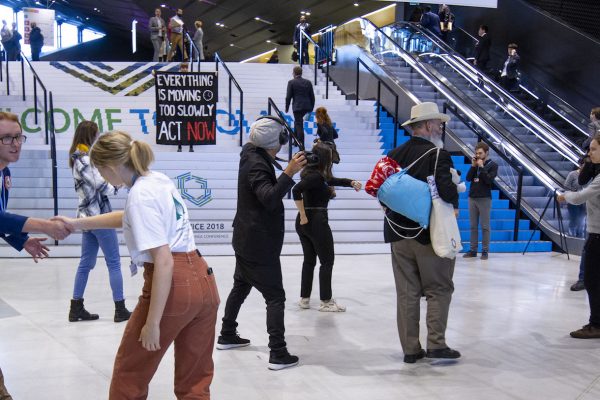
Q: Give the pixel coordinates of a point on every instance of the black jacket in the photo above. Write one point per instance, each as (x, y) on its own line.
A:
(36, 39)
(512, 67)
(297, 33)
(301, 90)
(326, 133)
(482, 179)
(405, 155)
(482, 49)
(258, 226)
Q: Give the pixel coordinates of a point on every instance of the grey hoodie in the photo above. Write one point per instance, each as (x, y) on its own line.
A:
(591, 197)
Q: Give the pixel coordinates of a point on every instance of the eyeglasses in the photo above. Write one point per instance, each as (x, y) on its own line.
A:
(8, 140)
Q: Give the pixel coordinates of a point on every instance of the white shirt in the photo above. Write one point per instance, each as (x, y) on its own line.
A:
(178, 26)
(155, 215)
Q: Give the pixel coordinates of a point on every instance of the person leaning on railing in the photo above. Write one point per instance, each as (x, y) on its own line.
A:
(591, 197)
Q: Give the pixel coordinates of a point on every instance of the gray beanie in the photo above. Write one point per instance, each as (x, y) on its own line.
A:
(264, 133)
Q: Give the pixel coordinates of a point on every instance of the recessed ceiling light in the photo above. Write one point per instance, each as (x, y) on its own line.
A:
(268, 41)
(231, 44)
(356, 4)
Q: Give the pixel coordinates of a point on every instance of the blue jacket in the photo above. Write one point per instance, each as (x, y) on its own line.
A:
(11, 225)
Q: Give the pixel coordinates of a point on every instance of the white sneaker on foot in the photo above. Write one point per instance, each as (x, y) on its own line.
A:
(304, 303)
(331, 306)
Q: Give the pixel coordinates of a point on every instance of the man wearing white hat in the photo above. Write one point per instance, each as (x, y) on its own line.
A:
(417, 269)
(258, 229)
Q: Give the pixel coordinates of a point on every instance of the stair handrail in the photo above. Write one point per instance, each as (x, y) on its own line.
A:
(272, 106)
(36, 81)
(475, 76)
(54, 160)
(317, 48)
(380, 82)
(237, 85)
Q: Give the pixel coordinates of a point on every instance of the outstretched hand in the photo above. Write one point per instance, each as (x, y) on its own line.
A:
(356, 185)
(36, 248)
(68, 223)
(57, 228)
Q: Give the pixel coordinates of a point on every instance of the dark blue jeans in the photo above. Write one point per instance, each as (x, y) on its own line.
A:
(91, 242)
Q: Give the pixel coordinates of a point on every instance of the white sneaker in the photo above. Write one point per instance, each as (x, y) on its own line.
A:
(331, 306)
(304, 303)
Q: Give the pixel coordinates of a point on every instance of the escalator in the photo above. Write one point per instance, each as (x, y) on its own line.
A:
(536, 97)
(534, 157)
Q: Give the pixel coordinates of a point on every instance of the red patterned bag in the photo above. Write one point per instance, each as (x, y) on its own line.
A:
(383, 169)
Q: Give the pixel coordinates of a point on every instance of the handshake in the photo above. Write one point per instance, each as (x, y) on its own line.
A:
(57, 228)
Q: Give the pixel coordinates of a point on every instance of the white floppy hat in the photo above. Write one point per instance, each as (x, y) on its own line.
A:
(425, 112)
(264, 132)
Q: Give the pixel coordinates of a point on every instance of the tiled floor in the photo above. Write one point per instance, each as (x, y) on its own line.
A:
(510, 318)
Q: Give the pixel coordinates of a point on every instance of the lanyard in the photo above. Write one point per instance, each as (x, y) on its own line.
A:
(3, 192)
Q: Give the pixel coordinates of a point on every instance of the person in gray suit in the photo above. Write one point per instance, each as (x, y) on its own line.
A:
(198, 38)
(301, 91)
(158, 31)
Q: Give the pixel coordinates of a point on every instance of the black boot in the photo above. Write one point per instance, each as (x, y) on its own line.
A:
(79, 313)
(121, 313)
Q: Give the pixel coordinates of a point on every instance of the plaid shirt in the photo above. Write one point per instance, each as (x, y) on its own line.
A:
(91, 187)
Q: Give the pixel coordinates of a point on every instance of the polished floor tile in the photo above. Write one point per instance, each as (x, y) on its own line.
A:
(510, 318)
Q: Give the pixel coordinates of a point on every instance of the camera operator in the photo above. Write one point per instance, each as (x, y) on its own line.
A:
(258, 229)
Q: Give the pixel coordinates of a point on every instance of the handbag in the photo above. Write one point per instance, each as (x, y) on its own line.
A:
(444, 232)
(415, 206)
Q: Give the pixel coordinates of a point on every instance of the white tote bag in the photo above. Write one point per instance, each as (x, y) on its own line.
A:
(443, 226)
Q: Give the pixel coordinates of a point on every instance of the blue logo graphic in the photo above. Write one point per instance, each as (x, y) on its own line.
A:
(194, 189)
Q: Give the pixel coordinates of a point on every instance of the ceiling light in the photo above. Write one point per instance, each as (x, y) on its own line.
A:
(231, 44)
(307, 13)
(163, 5)
(268, 41)
(264, 21)
(356, 4)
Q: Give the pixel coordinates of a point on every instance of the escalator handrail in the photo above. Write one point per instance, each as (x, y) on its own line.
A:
(551, 138)
(547, 178)
(581, 119)
(577, 152)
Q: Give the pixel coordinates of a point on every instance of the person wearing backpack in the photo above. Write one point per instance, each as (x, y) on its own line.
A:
(418, 270)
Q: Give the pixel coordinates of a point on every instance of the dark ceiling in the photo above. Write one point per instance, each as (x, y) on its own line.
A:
(242, 36)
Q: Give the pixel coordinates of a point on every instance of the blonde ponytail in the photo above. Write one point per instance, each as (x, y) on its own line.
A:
(117, 148)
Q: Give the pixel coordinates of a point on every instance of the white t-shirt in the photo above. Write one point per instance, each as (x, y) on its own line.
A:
(155, 215)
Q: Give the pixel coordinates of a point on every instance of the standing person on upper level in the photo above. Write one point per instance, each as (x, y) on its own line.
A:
(431, 21)
(36, 41)
(593, 128)
(482, 49)
(15, 54)
(92, 191)
(6, 35)
(446, 23)
(158, 33)
(482, 173)
(300, 41)
(312, 196)
(198, 40)
(509, 76)
(591, 197)
(258, 230)
(418, 270)
(300, 91)
(176, 25)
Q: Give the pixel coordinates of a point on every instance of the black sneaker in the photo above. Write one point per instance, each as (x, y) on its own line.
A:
(231, 342)
(282, 361)
(470, 254)
(443, 353)
(484, 255)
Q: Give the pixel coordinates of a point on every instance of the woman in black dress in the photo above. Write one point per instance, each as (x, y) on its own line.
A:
(312, 196)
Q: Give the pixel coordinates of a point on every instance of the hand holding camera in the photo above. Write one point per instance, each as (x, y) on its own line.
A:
(296, 164)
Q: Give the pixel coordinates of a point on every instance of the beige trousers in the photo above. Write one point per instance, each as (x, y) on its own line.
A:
(419, 271)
